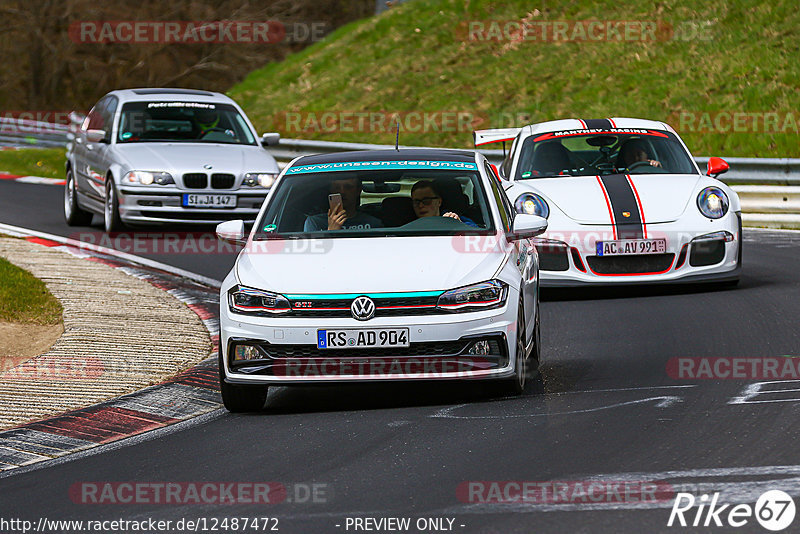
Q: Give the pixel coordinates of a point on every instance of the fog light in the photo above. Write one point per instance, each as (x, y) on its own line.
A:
(246, 352)
(480, 348)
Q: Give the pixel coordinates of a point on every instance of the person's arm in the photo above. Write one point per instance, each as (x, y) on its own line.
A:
(312, 224)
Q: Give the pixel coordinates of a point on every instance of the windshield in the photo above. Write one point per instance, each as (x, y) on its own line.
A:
(374, 203)
(599, 152)
(192, 122)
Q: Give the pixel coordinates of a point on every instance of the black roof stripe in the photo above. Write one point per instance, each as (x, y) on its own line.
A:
(598, 124)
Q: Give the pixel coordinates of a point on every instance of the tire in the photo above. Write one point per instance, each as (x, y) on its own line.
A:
(111, 219)
(74, 214)
(515, 386)
(241, 399)
(535, 355)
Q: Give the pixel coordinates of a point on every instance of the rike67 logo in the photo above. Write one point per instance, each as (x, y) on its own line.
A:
(774, 510)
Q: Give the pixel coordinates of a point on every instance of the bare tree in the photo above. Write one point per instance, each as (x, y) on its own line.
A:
(46, 66)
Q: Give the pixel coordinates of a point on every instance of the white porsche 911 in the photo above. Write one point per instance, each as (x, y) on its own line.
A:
(625, 203)
(380, 265)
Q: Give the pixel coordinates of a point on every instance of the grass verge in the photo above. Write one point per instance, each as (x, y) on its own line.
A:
(25, 299)
(47, 162)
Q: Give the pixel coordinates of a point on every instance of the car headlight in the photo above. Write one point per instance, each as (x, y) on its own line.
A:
(263, 179)
(485, 295)
(712, 202)
(256, 302)
(532, 204)
(148, 178)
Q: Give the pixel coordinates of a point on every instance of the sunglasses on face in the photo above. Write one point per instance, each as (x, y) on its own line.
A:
(426, 201)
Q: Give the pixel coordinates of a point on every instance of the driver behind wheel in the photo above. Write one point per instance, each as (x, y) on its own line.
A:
(632, 152)
(427, 202)
(206, 120)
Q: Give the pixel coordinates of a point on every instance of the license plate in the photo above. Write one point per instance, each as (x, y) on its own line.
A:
(209, 201)
(626, 247)
(362, 338)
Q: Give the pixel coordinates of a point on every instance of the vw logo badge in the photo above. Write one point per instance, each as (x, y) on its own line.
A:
(363, 309)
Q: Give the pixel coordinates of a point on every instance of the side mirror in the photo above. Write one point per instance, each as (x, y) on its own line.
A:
(527, 226)
(95, 136)
(717, 166)
(270, 139)
(232, 232)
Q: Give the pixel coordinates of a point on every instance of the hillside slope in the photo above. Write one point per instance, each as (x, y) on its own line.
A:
(704, 67)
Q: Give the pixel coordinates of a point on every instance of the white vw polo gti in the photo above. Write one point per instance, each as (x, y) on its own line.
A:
(380, 265)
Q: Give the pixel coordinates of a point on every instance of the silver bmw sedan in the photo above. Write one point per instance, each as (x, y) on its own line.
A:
(155, 156)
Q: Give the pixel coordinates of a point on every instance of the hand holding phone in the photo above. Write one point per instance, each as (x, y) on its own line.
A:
(336, 214)
(334, 200)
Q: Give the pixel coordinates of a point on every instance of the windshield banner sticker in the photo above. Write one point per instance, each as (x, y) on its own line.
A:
(569, 133)
(383, 165)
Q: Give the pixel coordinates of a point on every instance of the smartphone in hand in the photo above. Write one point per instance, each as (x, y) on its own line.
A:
(334, 200)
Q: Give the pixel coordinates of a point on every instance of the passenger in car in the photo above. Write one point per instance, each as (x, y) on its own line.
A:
(345, 215)
(427, 202)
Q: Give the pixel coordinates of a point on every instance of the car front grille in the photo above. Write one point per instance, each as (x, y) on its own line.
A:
(222, 181)
(195, 180)
(303, 361)
(384, 307)
(637, 264)
(446, 348)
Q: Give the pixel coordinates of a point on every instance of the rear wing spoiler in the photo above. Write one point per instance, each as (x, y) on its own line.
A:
(495, 135)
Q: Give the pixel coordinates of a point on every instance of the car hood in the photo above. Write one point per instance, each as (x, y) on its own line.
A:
(366, 265)
(663, 197)
(177, 158)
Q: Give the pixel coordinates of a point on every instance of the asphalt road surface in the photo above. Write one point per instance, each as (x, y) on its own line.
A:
(606, 409)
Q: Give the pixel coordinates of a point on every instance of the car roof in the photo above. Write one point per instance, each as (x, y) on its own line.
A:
(589, 124)
(425, 154)
(169, 94)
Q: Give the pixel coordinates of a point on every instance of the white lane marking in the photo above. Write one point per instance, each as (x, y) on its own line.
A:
(664, 401)
(785, 477)
(18, 231)
(751, 391)
(40, 180)
(643, 388)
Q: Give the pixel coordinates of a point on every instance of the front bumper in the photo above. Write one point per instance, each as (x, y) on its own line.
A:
(155, 205)
(570, 259)
(438, 348)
